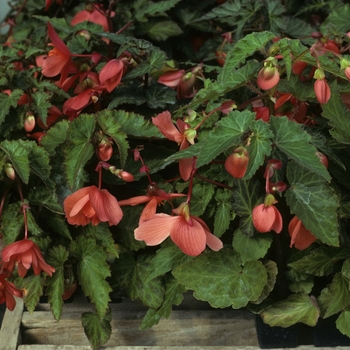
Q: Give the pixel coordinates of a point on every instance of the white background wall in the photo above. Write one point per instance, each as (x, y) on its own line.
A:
(4, 8)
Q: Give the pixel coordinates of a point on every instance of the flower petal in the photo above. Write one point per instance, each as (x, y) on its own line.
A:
(155, 230)
(191, 239)
(15, 248)
(57, 41)
(135, 200)
(149, 210)
(263, 218)
(165, 125)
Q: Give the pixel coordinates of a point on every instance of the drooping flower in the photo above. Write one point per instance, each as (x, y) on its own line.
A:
(188, 232)
(111, 74)
(301, 238)
(154, 197)
(266, 216)
(236, 163)
(25, 254)
(171, 78)
(182, 135)
(7, 292)
(91, 205)
(269, 75)
(104, 150)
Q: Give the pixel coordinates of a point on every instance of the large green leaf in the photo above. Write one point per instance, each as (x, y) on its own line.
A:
(56, 257)
(343, 322)
(6, 102)
(251, 248)
(338, 116)
(241, 51)
(98, 330)
(39, 163)
(259, 147)
(313, 202)
(223, 212)
(110, 127)
(41, 104)
(17, 152)
(43, 196)
(173, 296)
(335, 297)
(79, 149)
(295, 143)
(296, 308)
(12, 222)
(55, 136)
(227, 133)
(220, 279)
(92, 272)
(153, 8)
(133, 277)
(201, 196)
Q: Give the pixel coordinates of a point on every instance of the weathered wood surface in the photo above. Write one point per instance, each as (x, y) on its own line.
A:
(10, 328)
(72, 347)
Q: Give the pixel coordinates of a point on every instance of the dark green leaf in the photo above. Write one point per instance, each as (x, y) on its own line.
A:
(223, 212)
(343, 322)
(92, 272)
(59, 225)
(201, 196)
(163, 30)
(6, 102)
(219, 278)
(158, 96)
(98, 330)
(39, 163)
(55, 136)
(41, 104)
(151, 9)
(45, 197)
(12, 222)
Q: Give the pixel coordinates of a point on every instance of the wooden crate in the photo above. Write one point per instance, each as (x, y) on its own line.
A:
(194, 328)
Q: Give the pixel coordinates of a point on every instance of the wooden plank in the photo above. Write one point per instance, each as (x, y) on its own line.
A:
(10, 328)
(183, 328)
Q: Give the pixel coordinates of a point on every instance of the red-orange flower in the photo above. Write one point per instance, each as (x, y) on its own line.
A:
(7, 291)
(236, 163)
(25, 254)
(188, 232)
(91, 205)
(154, 197)
(266, 216)
(268, 78)
(301, 238)
(172, 78)
(111, 74)
(182, 135)
(322, 91)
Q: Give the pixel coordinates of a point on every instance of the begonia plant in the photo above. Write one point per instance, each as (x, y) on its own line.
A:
(150, 148)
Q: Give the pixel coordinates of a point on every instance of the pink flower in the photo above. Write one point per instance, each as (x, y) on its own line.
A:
(172, 78)
(301, 238)
(24, 254)
(188, 232)
(266, 216)
(182, 135)
(89, 204)
(268, 78)
(111, 74)
(322, 91)
(7, 291)
(154, 197)
(236, 163)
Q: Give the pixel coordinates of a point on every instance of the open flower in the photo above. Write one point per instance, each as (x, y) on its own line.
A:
(7, 292)
(25, 254)
(89, 204)
(183, 135)
(301, 238)
(188, 232)
(154, 197)
(266, 216)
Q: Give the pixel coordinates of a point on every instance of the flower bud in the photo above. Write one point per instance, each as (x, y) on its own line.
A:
(236, 163)
(10, 172)
(190, 135)
(323, 158)
(268, 76)
(29, 122)
(124, 175)
(105, 150)
(322, 91)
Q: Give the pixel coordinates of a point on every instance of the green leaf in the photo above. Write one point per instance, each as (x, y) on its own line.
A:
(59, 225)
(39, 162)
(55, 136)
(17, 152)
(42, 196)
(166, 259)
(259, 147)
(338, 18)
(41, 104)
(201, 196)
(251, 248)
(242, 50)
(338, 116)
(272, 272)
(295, 143)
(163, 30)
(227, 133)
(34, 290)
(245, 198)
(223, 212)
(303, 92)
(132, 123)
(33, 227)
(56, 257)
(173, 296)
(12, 222)
(277, 21)
(98, 330)
(110, 127)
(92, 272)
(335, 297)
(79, 149)
(296, 308)
(314, 203)
(343, 322)
(132, 275)
(219, 278)
(151, 9)
(319, 262)
(6, 102)
(158, 96)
